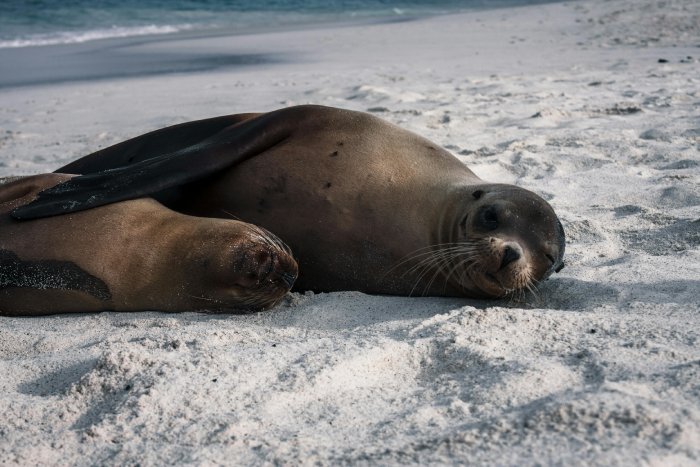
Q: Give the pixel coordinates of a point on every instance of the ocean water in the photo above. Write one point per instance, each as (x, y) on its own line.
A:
(26, 23)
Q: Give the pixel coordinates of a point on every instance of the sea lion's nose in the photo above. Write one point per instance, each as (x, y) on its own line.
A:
(255, 268)
(511, 253)
(283, 271)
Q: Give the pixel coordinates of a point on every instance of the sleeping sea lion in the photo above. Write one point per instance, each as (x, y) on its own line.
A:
(133, 255)
(364, 204)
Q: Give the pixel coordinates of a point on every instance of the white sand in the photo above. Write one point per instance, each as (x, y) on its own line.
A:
(568, 100)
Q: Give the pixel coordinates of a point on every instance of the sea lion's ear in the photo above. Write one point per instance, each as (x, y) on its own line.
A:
(225, 148)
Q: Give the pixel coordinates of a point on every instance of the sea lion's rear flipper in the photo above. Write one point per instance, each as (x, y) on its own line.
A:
(154, 172)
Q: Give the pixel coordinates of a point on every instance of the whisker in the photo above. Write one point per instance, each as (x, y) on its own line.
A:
(450, 261)
(220, 302)
(418, 255)
(231, 215)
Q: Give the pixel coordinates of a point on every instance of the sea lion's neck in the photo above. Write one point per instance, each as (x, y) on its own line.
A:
(452, 211)
(446, 234)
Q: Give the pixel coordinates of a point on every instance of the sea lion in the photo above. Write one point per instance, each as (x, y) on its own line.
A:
(364, 204)
(133, 255)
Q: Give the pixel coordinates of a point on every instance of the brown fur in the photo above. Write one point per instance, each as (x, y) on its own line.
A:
(133, 255)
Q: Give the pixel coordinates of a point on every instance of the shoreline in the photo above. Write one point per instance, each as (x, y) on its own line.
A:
(306, 19)
(119, 57)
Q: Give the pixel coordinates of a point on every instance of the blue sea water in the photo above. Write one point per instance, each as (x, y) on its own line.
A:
(25, 23)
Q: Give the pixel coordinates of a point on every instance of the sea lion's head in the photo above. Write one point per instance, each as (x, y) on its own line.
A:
(505, 239)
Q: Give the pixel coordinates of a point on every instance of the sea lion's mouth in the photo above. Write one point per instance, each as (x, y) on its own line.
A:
(487, 284)
(493, 279)
(288, 278)
(490, 285)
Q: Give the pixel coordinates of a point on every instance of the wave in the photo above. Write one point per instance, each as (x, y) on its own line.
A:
(74, 37)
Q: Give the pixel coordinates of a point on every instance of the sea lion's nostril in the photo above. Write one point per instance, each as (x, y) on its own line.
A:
(510, 254)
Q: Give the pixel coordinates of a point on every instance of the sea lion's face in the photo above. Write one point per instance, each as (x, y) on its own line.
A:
(511, 240)
(254, 272)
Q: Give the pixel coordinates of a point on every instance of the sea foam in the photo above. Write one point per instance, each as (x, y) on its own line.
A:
(74, 37)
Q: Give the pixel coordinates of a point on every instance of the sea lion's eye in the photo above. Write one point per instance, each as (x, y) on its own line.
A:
(478, 194)
(488, 219)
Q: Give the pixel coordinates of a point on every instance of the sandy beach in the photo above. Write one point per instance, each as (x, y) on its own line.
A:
(594, 105)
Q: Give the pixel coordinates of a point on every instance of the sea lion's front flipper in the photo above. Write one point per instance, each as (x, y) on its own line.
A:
(150, 175)
(154, 144)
